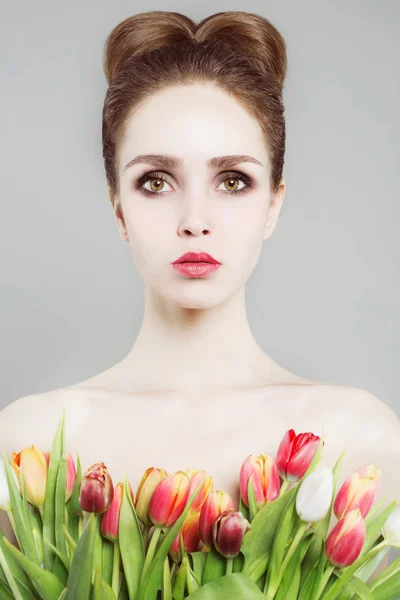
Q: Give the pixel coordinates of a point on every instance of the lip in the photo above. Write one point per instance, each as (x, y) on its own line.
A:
(196, 257)
(196, 269)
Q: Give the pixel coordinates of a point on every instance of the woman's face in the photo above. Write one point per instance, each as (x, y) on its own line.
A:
(168, 210)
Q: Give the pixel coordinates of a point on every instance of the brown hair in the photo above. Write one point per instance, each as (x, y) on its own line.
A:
(241, 53)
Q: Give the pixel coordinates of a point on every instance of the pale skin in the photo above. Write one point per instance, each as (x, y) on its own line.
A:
(196, 389)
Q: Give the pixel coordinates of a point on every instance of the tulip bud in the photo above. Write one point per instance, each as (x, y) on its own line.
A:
(31, 464)
(190, 535)
(314, 496)
(358, 491)
(215, 503)
(71, 473)
(295, 454)
(391, 529)
(228, 532)
(110, 518)
(147, 485)
(265, 479)
(96, 489)
(344, 543)
(169, 499)
(5, 502)
(195, 478)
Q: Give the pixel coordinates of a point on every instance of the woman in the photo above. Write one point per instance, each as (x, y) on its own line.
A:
(193, 144)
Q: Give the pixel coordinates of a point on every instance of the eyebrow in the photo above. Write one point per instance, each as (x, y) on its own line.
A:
(167, 161)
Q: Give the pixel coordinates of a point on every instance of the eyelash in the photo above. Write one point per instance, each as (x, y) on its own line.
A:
(156, 175)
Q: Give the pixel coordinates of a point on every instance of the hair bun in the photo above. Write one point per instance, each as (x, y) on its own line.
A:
(249, 33)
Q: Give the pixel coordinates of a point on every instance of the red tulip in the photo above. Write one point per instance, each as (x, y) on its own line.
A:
(358, 491)
(265, 479)
(169, 499)
(110, 518)
(96, 489)
(215, 503)
(195, 478)
(147, 485)
(344, 543)
(190, 535)
(295, 454)
(228, 532)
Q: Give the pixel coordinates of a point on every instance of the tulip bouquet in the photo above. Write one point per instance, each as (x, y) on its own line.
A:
(82, 538)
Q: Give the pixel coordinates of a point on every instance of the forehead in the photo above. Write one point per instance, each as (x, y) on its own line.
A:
(193, 121)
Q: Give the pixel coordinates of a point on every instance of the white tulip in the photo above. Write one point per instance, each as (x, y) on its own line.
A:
(315, 495)
(391, 529)
(5, 503)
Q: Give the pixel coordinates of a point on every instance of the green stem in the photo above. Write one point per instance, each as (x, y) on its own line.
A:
(325, 578)
(229, 566)
(284, 486)
(151, 550)
(145, 534)
(115, 571)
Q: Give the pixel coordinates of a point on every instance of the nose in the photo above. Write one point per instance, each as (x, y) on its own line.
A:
(194, 222)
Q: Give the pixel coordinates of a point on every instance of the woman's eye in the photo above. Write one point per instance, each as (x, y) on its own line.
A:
(156, 183)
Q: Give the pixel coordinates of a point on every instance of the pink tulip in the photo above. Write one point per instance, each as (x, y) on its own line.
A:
(360, 490)
(265, 479)
(96, 489)
(344, 543)
(295, 454)
(215, 503)
(195, 478)
(110, 518)
(169, 499)
(190, 536)
(228, 532)
(147, 485)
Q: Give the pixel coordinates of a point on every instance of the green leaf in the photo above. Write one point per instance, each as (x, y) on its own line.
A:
(199, 560)
(46, 583)
(215, 566)
(179, 586)
(244, 509)
(64, 558)
(6, 592)
(59, 567)
(361, 590)
(101, 590)
(131, 542)
(20, 511)
(235, 586)
(49, 508)
(374, 526)
(258, 540)
(108, 557)
(18, 573)
(79, 583)
(323, 525)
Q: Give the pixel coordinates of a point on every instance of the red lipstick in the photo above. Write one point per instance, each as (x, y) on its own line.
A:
(196, 264)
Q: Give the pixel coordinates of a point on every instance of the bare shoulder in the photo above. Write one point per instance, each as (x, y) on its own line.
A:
(34, 419)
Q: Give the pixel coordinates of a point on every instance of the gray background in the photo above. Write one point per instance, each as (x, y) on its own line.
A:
(323, 301)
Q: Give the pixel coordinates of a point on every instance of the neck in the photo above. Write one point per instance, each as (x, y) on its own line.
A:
(187, 348)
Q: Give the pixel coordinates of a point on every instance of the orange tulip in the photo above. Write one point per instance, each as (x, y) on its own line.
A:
(147, 485)
(169, 499)
(215, 503)
(31, 464)
(190, 536)
(358, 491)
(195, 478)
